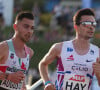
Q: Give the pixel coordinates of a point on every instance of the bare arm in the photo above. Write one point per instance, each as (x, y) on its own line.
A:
(3, 57)
(15, 77)
(53, 53)
(3, 52)
(98, 74)
(96, 68)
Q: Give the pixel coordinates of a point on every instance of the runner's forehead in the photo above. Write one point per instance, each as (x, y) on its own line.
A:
(26, 21)
(87, 18)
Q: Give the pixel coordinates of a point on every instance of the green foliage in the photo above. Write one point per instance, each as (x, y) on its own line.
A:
(96, 39)
(28, 4)
(45, 19)
(96, 42)
(40, 49)
(7, 33)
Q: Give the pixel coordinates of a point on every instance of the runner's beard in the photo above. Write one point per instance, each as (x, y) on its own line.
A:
(26, 39)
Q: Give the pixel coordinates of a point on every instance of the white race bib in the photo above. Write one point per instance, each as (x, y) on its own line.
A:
(75, 82)
(7, 84)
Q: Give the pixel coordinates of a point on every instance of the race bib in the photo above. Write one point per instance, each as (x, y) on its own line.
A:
(75, 82)
(7, 84)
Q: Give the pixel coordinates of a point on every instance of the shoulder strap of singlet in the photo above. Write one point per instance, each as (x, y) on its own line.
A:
(67, 43)
(26, 49)
(10, 45)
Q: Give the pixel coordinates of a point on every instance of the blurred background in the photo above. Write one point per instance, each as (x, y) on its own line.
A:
(53, 23)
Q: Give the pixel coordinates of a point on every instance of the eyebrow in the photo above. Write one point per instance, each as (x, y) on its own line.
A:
(87, 21)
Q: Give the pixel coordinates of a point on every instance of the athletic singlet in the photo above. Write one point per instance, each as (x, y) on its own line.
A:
(74, 71)
(14, 64)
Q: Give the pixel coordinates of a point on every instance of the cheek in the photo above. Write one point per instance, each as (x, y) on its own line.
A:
(20, 27)
(82, 31)
(21, 32)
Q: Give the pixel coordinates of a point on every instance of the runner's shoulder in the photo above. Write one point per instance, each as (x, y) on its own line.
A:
(3, 50)
(56, 47)
(31, 52)
(3, 46)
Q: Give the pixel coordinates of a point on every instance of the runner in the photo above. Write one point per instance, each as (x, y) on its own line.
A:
(76, 58)
(15, 54)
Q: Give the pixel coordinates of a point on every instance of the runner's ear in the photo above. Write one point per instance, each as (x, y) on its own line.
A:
(75, 27)
(14, 25)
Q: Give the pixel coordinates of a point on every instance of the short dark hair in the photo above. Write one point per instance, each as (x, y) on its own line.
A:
(82, 12)
(24, 14)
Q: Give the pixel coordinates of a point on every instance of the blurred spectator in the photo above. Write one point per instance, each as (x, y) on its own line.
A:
(1, 15)
(62, 17)
(53, 23)
(2, 21)
(97, 11)
(1, 8)
(2, 25)
(58, 12)
(36, 12)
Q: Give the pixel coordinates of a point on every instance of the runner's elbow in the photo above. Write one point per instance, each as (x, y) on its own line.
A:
(42, 64)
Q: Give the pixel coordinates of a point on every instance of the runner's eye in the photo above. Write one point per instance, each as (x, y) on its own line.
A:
(86, 23)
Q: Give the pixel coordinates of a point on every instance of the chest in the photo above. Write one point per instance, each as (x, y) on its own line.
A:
(15, 63)
(78, 63)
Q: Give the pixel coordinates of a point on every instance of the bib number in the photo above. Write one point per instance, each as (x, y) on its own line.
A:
(10, 85)
(75, 82)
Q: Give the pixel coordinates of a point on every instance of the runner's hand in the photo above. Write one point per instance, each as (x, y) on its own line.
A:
(2, 76)
(49, 87)
(96, 66)
(16, 77)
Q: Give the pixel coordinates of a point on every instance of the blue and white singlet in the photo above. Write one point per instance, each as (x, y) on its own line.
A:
(74, 71)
